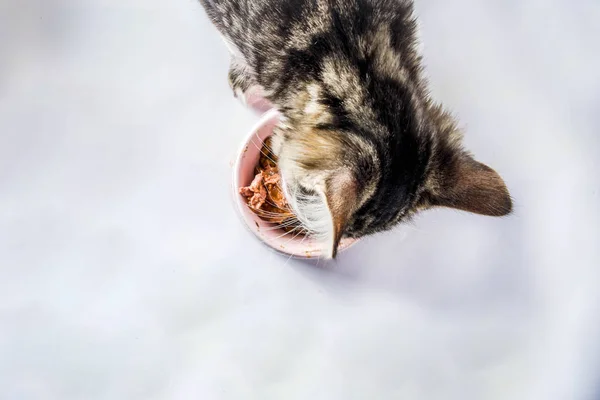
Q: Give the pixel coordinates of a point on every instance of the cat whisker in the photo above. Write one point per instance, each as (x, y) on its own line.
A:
(267, 213)
(291, 255)
(281, 226)
(285, 214)
(262, 152)
(265, 143)
(300, 232)
(284, 234)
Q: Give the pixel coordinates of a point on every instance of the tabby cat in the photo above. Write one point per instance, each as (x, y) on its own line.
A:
(361, 144)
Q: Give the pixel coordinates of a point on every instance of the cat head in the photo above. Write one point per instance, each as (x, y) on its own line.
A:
(357, 173)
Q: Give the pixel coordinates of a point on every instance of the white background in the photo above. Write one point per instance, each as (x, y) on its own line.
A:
(126, 274)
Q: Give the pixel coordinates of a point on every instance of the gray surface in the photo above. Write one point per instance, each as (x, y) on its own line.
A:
(125, 273)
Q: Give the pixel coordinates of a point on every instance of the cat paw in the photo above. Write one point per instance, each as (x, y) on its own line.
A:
(254, 99)
(246, 89)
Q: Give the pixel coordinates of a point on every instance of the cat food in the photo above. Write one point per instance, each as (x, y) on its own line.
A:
(264, 195)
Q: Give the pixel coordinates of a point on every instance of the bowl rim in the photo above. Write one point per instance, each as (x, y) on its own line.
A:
(238, 204)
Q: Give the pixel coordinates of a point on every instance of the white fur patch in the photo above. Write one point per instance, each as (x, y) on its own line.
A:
(310, 209)
(313, 213)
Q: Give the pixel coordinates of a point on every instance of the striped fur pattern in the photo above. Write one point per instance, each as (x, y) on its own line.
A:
(361, 144)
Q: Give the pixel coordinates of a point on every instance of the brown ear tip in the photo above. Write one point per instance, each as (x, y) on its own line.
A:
(507, 208)
(504, 206)
(509, 204)
(334, 253)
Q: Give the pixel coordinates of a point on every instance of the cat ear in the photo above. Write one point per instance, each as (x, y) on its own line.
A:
(340, 193)
(471, 186)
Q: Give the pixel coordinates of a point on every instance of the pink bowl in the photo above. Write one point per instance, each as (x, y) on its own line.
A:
(243, 173)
